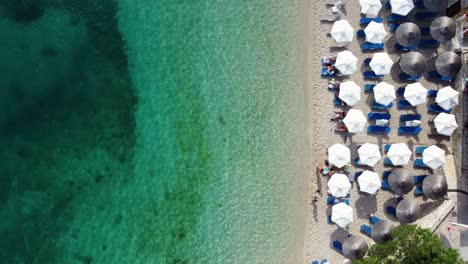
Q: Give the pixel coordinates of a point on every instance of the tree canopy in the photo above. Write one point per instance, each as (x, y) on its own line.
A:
(411, 245)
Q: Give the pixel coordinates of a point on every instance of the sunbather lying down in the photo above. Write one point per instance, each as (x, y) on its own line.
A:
(342, 129)
(333, 84)
(328, 60)
(339, 116)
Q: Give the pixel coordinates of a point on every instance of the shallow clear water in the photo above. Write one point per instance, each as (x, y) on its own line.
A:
(153, 132)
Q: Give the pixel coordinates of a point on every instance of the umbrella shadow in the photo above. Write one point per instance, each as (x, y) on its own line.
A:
(428, 207)
(339, 234)
(390, 202)
(365, 205)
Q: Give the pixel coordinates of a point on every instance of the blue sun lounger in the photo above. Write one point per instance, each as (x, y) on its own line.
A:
(420, 150)
(385, 185)
(418, 190)
(419, 178)
(361, 34)
(315, 262)
(395, 18)
(369, 87)
(329, 220)
(394, 26)
(403, 48)
(366, 230)
(410, 117)
(367, 61)
(371, 75)
(404, 104)
(385, 174)
(436, 75)
(388, 162)
(323, 261)
(391, 210)
(376, 116)
(367, 46)
(378, 129)
(432, 93)
(367, 20)
(436, 108)
(418, 163)
(400, 91)
(408, 130)
(429, 43)
(376, 105)
(357, 174)
(326, 73)
(405, 77)
(374, 219)
(419, 4)
(338, 246)
(387, 147)
(425, 31)
(338, 102)
(425, 15)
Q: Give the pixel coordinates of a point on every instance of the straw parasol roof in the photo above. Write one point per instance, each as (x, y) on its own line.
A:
(401, 181)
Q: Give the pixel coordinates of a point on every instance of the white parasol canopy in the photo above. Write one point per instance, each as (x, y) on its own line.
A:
(375, 32)
(369, 182)
(346, 62)
(381, 63)
(342, 214)
(415, 94)
(370, 7)
(434, 157)
(401, 7)
(369, 154)
(447, 98)
(384, 93)
(350, 93)
(339, 155)
(445, 124)
(399, 154)
(339, 185)
(342, 32)
(355, 121)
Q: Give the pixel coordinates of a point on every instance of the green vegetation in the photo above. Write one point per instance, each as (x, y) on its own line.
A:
(411, 245)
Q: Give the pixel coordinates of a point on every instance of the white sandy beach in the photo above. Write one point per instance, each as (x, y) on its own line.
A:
(320, 234)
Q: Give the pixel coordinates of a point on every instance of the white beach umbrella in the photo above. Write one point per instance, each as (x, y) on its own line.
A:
(339, 185)
(381, 63)
(401, 7)
(369, 182)
(355, 121)
(384, 93)
(339, 155)
(375, 32)
(369, 154)
(342, 214)
(350, 93)
(370, 7)
(447, 98)
(434, 157)
(445, 124)
(346, 62)
(415, 94)
(342, 32)
(399, 154)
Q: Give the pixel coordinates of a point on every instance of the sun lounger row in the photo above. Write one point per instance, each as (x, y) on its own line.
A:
(410, 117)
(367, 46)
(436, 108)
(369, 87)
(418, 16)
(371, 75)
(378, 106)
(437, 76)
(376, 116)
(333, 200)
(323, 261)
(409, 130)
(367, 20)
(378, 129)
(405, 77)
(425, 31)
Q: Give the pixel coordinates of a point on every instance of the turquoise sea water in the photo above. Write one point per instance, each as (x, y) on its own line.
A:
(152, 132)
